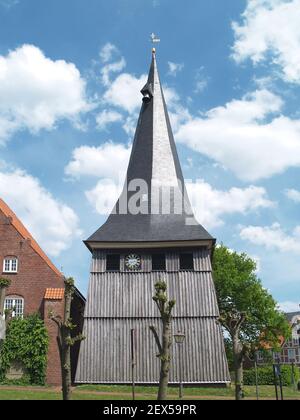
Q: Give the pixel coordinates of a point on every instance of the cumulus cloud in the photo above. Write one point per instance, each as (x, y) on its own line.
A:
(211, 205)
(109, 160)
(293, 195)
(270, 28)
(104, 195)
(106, 118)
(175, 68)
(273, 237)
(246, 136)
(124, 92)
(36, 92)
(53, 224)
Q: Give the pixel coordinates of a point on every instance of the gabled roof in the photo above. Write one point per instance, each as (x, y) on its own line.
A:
(291, 315)
(18, 225)
(154, 160)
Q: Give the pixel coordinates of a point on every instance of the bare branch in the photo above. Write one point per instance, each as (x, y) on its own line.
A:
(154, 331)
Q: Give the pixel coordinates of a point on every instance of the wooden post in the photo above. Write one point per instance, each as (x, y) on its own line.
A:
(280, 382)
(256, 378)
(275, 381)
(133, 361)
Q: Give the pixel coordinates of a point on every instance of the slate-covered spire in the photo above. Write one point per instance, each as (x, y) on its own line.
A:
(154, 186)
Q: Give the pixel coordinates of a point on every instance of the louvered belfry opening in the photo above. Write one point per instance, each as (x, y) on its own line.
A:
(164, 241)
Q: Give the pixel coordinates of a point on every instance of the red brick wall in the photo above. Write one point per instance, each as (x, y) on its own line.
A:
(31, 281)
(53, 365)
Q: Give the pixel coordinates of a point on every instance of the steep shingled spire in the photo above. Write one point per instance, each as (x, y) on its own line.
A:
(153, 160)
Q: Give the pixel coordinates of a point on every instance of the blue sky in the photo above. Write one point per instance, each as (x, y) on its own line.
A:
(70, 75)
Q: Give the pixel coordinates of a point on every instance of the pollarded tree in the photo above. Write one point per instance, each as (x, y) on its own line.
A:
(247, 311)
(165, 307)
(65, 339)
(4, 284)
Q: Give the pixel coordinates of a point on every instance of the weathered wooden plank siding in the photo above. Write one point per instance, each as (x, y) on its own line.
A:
(106, 358)
(125, 295)
(120, 301)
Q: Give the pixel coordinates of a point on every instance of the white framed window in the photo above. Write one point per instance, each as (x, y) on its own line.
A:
(291, 355)
(10, 265)
(16, 304)
(260, 355)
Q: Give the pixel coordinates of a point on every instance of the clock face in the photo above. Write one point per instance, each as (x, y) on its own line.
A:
(133, 262)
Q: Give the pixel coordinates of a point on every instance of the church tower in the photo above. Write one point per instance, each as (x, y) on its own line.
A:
(151, 235)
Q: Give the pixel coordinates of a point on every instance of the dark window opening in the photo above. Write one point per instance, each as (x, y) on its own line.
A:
(158, 262)
(186, 262)
(113, 262)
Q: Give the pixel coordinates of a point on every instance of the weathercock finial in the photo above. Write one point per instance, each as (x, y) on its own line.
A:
(154, 40)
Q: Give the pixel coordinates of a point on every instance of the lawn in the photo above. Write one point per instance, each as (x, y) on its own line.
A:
(95, 392)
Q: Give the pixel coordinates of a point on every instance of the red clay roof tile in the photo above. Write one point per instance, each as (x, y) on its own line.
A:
(54, 294)
(18, 225)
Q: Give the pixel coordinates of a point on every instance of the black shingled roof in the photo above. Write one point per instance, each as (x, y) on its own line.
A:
(150, 227)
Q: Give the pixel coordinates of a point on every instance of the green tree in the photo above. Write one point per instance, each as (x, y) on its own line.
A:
(165, 307)
(26, 342)
(248, 312)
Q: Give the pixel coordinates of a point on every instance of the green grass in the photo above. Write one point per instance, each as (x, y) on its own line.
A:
(101, 392)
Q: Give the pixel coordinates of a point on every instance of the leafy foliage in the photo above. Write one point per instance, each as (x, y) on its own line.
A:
(27, 342)
(266, 377)
(4, 283)
(239, 291)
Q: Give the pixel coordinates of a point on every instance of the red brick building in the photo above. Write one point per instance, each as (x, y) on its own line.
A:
(37, 286)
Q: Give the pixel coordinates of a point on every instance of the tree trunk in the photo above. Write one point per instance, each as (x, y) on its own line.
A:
(66, 346)
(165, 359)
(238, 367)
(2, 298)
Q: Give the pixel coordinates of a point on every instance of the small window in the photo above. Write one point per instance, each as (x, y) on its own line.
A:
(260, 355)
(16, 305)
(158, 262)
(10, 265)
(113, 262)
(291, 355)
(186, 262)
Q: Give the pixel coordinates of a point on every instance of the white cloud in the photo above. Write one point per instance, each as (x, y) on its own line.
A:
(175, 68)
(245, 137)
(36, 92)
(201, 80)
(104, 195)
(293, 195)
(289, 306)
(110, 68)
(210, 205)
(106, 161)
(53, 224)
(270, 28)
(107, 52)
(106, 118)
(124, 92)
(273, 237)
(114, 62)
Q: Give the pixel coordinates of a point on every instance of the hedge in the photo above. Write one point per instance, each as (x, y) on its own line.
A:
(27, 342)
(266, 376)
